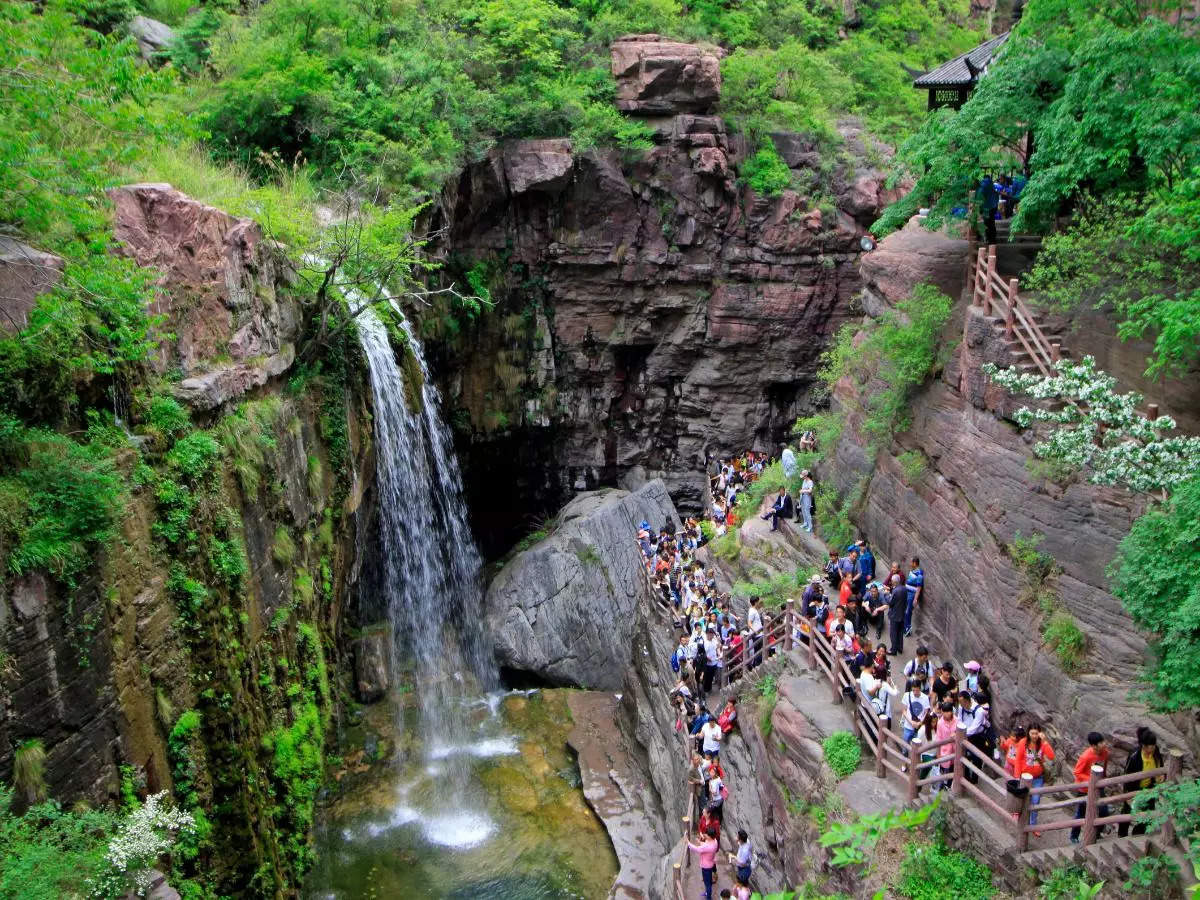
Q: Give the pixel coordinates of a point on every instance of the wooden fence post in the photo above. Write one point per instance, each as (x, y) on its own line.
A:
(980, 269)
(812, 642)
(1010, 320)
(1092, 811)
(988, 280)
(1055, 351)
(957, 785)
(880, 747)
(914, 766)
(1174, 768)
(788, 618)
(1152, 412)
(1024, 812)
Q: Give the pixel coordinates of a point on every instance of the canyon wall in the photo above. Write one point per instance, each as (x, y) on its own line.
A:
(207, 634)
(652, 312)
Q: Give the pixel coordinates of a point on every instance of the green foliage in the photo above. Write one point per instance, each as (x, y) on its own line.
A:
(248, 436)
(29, 771)
(768, 691)
(727, 547)
(1069, 883)
(766, 173)
(843, 752)
(64, 500)
(193, 456)
(49, 853)
(826, 428)
(1156, 875)
(191, 51)
(105, 16)
(1063, 635)
(893, 359)
(1035, 565)
(1153, 576)
(932, 872)
(773, 590)
(853, 843)
(283, 549)
(833, 514)
(183, 749)
(1177, 802)
(913, 465)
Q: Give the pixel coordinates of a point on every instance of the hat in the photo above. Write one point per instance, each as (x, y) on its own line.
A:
(804, 473)
(972, 666)
(643, 533)
(816, 579)
(645, 524)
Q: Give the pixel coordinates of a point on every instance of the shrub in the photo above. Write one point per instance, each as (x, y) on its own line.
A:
(49, 853)
(766, 173)
(913, 465)
(842, 752)
(193, 456)
(105, 16)
(1063, 635)
(768, 690)
(934, 872)
(1066, 883)
(283, 548)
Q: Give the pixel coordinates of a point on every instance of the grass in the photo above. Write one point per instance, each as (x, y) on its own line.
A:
(768, 690)
(1063, 635)
(843, 753)
(171, 12)
(913, 465)
(283, 548)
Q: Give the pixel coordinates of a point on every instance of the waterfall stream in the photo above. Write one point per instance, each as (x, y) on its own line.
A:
(432, 588)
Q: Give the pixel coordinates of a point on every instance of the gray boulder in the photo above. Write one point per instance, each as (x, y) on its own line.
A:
(152, 36)
(25, 274)
(565, 608)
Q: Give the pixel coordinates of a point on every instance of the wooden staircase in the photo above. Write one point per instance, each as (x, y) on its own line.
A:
(1109, 859)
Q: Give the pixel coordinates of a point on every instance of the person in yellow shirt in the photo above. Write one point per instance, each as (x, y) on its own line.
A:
(1145, 758)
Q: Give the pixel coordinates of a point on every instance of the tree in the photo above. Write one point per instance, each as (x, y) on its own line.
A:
(1100, 429)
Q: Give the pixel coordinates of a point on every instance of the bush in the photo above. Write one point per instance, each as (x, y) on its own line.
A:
(1066, 883)
(934, 872)
(105, 16)
(768, 690)
(29, 771)
(49, 853)
(766, 173)
(913, 465)
(1062, 635)
(842, 752)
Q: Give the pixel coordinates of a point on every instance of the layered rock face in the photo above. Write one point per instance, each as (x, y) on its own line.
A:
(652, 312)
(222, 291)
(976, 496)
(565, 608)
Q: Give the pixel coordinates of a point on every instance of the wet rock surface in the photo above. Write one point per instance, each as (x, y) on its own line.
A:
(565, 608)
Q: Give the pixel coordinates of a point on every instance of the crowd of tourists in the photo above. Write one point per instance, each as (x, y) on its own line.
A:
(850, 599)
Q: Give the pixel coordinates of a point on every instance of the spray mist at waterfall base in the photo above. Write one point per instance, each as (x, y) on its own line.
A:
(524, 832)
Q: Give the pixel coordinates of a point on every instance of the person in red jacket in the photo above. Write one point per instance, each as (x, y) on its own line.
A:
(728, 716)
(1096, 754)
(1032, 755)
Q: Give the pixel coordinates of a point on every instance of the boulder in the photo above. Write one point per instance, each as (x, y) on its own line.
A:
(25, 274)
(537, 165)
(219, 290)
(371, 672)
(153, 37)
(910, 256)
(564, 609)
(657, 77)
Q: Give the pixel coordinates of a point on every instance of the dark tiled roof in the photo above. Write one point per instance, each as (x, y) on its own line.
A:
(957, 72)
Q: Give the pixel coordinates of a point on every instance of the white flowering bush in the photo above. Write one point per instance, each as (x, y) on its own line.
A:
(1100, 430)
(146, 834)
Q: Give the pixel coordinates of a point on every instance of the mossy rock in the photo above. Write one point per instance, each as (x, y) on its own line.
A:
(513, 790)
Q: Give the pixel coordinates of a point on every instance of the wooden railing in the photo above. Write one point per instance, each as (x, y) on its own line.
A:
(998, 297)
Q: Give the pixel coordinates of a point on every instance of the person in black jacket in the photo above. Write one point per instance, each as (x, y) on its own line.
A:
(782, 506)
(897, 604)
(1145, 757)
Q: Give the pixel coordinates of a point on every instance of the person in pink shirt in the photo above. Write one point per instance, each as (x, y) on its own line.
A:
(706, 853)
(946, 725)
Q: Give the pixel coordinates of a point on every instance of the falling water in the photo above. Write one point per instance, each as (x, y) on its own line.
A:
(431, 583)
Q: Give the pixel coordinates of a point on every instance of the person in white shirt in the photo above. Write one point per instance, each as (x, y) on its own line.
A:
(743, 860)
(916, 704)
(710, 736)
(712, 658)
(755, 623)
(806, 500)
(878, 691)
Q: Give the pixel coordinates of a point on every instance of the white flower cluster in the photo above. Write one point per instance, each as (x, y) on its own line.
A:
(148, 832)
(1101, 430)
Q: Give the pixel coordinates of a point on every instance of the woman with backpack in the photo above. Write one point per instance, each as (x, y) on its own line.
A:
(1034, 754)
(1143, 758)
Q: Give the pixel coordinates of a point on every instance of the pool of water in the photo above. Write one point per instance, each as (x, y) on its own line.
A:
(521, 831)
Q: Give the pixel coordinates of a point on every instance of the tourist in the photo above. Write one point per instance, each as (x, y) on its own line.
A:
(971, 680)
(710, 738)
(833, 573)
(919, 668)
(1008, 749)
(787, 460)
(821, 615)
(716, 792)
(840, 618)
(782, 507)
(812, 593)
(881, 661)
(706, 856)
(866, 560)
(806, 500)
(710, 824)
(712, 657)
(1032, 755)
(857, 616)
(1095, 754)
(878, 691)
(741, 890)
(743, 860)
(728, 717)
(974, 719)
(945, 730)
(945, 686)
(755, 622)
(897, 604)
(916, 706)
(1143, 758)
(679, 658)
(915, 582)
(875, 604)
(843, 644)
(987, 200)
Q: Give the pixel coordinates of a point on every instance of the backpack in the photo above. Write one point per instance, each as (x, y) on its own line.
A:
(675, 661)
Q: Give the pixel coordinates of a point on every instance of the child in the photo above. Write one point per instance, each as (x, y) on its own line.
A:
(1008, 747)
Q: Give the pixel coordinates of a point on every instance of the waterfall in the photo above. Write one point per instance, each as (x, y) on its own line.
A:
(431, 582)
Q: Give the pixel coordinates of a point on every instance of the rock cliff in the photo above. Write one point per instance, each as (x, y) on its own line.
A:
(565, 608)
(652, 311)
